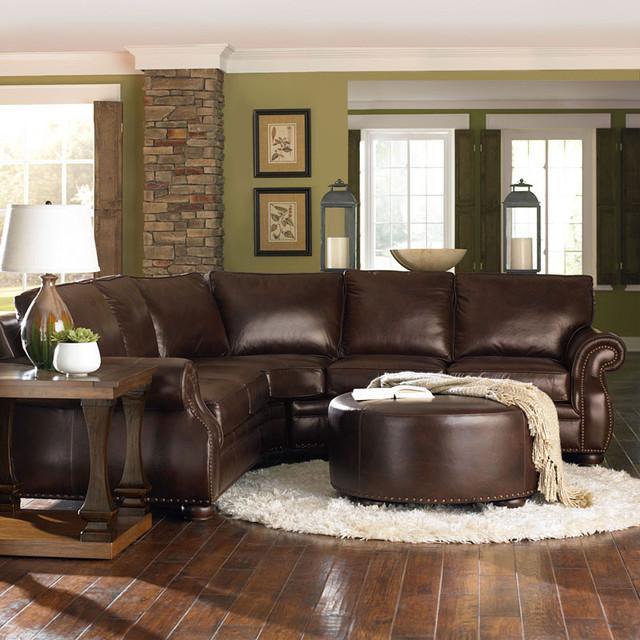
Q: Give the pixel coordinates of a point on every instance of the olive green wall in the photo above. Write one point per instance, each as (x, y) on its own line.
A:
(133, 123)
(326, 95)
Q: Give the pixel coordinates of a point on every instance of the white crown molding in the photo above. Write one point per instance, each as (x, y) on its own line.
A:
(200, 56)
(431, 59)
(351, 59)
(93, 63)
(425, 105)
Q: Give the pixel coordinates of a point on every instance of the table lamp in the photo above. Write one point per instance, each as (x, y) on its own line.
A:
(47, 239)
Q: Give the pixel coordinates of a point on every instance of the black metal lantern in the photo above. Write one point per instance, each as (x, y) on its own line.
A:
(521, 224)
(338, 229)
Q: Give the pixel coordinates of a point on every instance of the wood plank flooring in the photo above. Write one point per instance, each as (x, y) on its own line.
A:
(232, 580)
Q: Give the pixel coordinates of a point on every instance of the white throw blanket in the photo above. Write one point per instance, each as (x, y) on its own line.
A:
(538, 408)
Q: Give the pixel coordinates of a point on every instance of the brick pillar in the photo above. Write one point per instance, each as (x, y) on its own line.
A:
(183, 153)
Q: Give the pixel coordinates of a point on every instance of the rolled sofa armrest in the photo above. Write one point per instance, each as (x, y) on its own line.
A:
(589, 355)
(175, 387)
(10, 342)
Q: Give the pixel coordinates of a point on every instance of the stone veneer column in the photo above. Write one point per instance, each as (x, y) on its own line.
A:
(183, 153)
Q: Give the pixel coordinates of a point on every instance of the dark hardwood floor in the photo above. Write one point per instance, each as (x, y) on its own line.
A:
(228, 579)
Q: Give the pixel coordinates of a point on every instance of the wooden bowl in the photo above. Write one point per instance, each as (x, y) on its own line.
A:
(428, 259)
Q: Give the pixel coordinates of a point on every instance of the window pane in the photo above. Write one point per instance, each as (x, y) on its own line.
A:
(418, 153)
(382, 153)
(398, 153)
(435, 236)
(418, 209)
(11, 185)
(382, 210)
(12, 136)
(418, 235)
(383, 237)
(44, 137)
(398, 209)
(45, 183)
(398, 185)
(79, 138)
(435, 153)
(399, 235)
(435, 181)
(382, 182)
(418, 182)
(80, 184)
(435, 209)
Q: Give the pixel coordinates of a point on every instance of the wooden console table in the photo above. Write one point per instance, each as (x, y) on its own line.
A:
(99, 529)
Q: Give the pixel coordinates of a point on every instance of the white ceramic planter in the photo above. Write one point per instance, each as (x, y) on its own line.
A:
(76, 358)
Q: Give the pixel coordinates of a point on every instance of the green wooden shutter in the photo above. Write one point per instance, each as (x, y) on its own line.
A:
(354, 178)
(608, 205)
(464, 197)
(490, 201)
(630, 207)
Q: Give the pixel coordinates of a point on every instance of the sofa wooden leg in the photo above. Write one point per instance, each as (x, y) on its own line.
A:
(197, 512)
(511, 504)
(584, 459)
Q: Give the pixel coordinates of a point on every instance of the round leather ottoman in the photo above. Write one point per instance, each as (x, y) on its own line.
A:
(452, 450)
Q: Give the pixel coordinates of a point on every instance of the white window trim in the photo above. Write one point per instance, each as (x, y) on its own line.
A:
(409, 121)
(367, 237)
(633, 120)
(58, 93)
(589, 219)
(548, 121)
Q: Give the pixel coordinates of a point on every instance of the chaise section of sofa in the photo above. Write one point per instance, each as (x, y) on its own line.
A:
(248, 363)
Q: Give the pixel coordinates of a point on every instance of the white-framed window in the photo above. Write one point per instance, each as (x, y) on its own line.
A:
(46, 153)
(560, 166)
(406, 193)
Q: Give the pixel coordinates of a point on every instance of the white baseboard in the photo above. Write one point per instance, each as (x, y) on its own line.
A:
(632, 343)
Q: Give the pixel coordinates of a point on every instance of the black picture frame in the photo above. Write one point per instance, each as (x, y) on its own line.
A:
(257, 193)
(261, 173)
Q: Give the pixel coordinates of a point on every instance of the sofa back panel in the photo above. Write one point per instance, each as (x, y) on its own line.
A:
(520, 315)
(131, 311)
(280, 313)
(88, 308)
(185, 316)
(401, 313)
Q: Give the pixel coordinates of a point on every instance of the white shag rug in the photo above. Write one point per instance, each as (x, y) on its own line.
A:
(300, 498)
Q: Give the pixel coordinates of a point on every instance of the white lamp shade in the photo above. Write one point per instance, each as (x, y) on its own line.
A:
(48, 239)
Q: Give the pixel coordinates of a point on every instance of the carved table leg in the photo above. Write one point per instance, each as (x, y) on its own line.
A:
(9, 500)
(98, 509)
(134, 488)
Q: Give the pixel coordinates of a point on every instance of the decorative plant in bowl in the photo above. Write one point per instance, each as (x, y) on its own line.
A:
(76, 352)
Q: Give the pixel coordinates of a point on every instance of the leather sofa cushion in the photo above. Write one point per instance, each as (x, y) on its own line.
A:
(353, 372)
(280, 313)
(548, 375)
(287, 375)
(131, 311)
(398, 313)
(519, 315)
(88, 308)
(185, 316)
(228, 401)
(251, 378)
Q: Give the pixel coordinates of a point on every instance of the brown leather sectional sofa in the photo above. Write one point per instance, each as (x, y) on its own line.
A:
(247, 364)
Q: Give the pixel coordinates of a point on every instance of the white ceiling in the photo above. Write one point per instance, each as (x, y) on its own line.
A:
(112, 25)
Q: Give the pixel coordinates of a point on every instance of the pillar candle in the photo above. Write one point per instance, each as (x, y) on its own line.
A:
(337, 253)
(521, 254)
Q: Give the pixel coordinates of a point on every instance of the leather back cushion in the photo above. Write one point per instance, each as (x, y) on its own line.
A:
(280, 313)
(185, 316)
(88, 309)
(400, 313)
(519, 315)
(131, 311)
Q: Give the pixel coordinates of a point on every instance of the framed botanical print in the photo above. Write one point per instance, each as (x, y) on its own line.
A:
(281, 143)
(282, 221)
